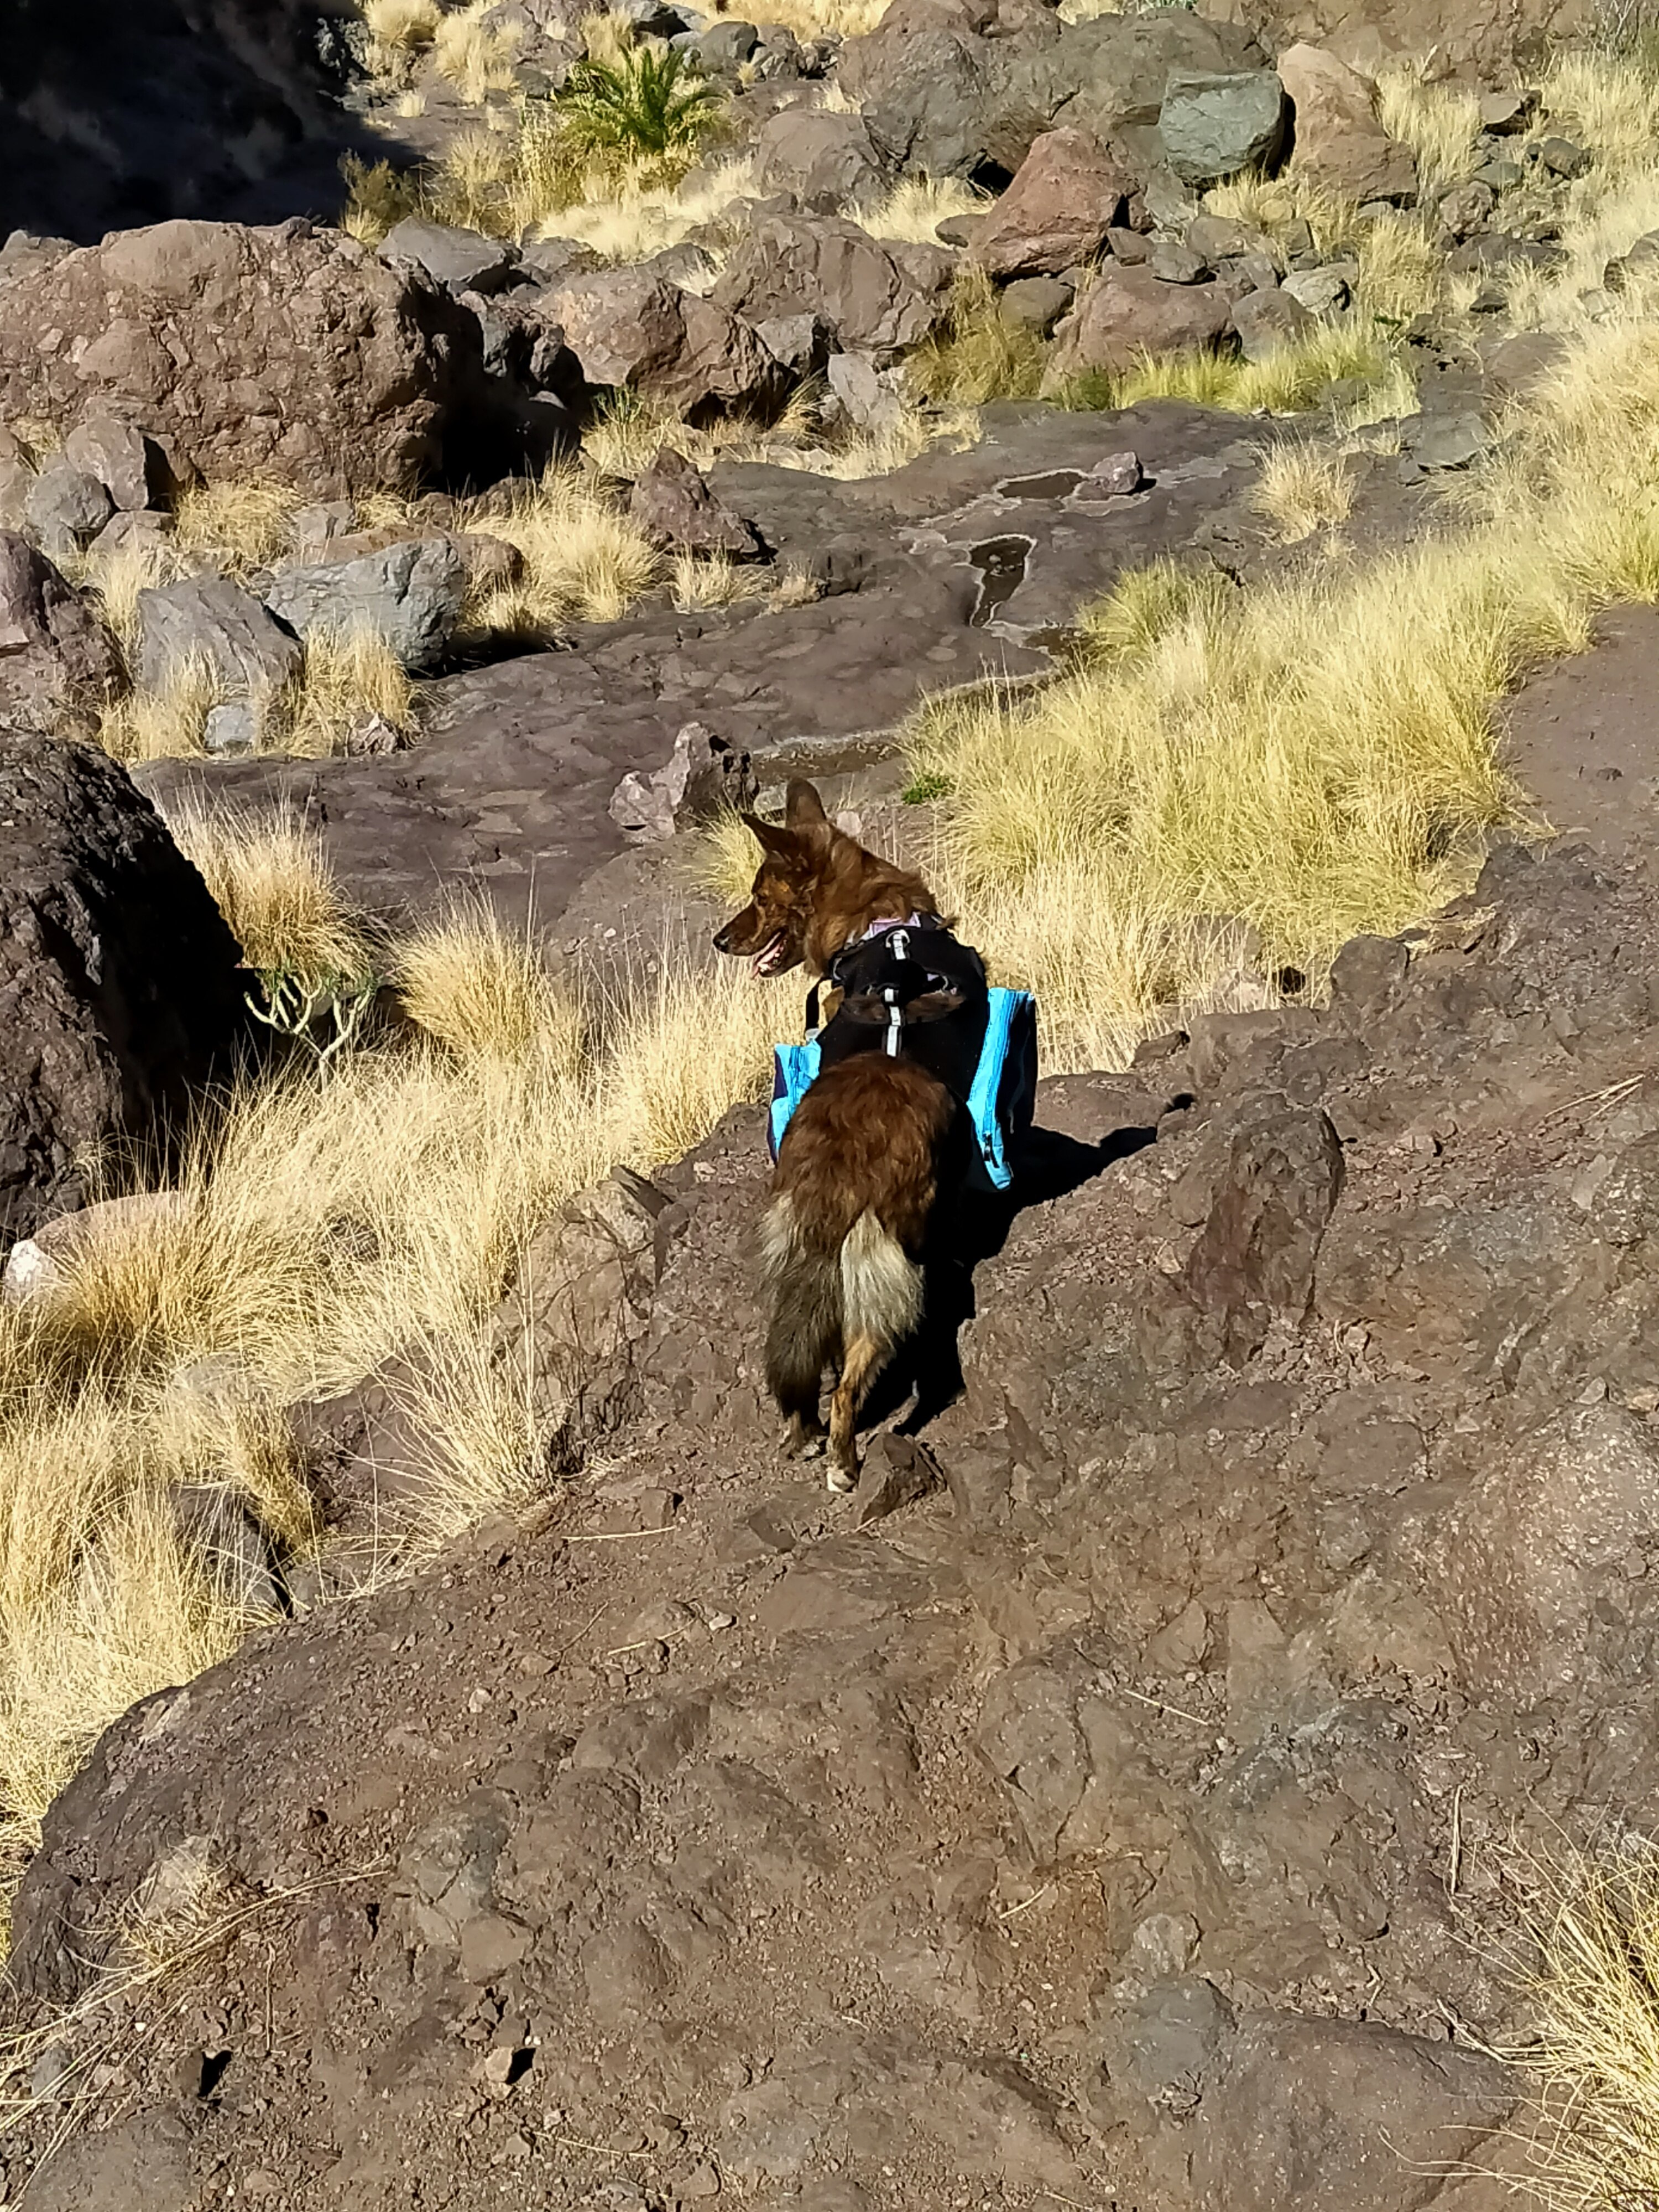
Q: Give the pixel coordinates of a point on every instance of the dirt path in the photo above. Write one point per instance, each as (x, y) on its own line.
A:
(1584, 738)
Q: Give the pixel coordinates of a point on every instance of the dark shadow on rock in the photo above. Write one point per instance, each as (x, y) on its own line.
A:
(970, 1229)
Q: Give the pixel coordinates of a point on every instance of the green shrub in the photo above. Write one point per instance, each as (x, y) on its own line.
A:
(647, 104)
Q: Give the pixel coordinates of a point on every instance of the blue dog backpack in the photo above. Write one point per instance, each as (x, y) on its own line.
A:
(1000, 1101)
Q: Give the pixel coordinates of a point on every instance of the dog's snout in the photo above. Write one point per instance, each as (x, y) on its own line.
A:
(720, 937)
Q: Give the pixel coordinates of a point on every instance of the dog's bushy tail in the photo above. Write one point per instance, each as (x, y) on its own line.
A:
(823, 1296)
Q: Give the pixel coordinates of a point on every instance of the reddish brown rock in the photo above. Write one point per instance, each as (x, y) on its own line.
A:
(287, 352)
(1068, 194)
(1127, 314)
(1339, 139)
(56, 659)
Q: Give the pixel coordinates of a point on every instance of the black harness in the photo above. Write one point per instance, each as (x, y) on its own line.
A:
(911, 990)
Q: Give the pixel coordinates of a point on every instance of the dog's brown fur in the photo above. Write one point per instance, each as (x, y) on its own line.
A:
(858, 1168)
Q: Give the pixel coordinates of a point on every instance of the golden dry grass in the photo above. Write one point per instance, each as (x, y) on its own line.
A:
(269, 878)
(639, 217)
(1441, 123)
(584, 560)
(166, 722)
(476, 51)
(349, 678)
(1591, 1992)
(1315, 758)
(241, 526)
(1286, 380)
(1303, 487)
(981, 355)
(912, 211)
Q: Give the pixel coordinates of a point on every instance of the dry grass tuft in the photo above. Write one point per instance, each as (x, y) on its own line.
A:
(272, 883)
(167, 723)
(484, 994)
(1594, 1996)
(1441, 123)
(981, 355)
(1302, 488)
(584, 560)
(239, 527)
(639, 217)
(1287, 380)
(912, 211)
(476, 53)
(699, 581)
(351, 677)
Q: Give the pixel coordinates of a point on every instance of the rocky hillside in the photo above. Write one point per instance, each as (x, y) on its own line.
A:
(447, 1757)
(1119, 1803)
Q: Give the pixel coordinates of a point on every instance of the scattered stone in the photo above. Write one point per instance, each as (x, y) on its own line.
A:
(66, 509)
(1321, 291)
(623, 325)
(1126, 313)
(1176, 264)
(1339, 140)
(56, 659)
(1065, 197)
(1505, 114)
(209, 622)
(1502, 175)
(867, 396)
(649, 809)
(903, 1470)
(1450, 444)
(1216, 126)
(409, 594)
(826, 160)
(876, 296)
(460, 260)
(727, 46)
(1266, 321)
(1036, 303)
(1253, 1260)
(673, 506)
(1115, 477)
(1563, 159)
(118, 988)
(132, 468)
(1466, 210)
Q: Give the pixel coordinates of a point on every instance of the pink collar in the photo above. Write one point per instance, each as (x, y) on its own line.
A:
(897, 922)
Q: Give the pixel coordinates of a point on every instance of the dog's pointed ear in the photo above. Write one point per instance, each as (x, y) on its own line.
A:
(768, 837)
(803, 809)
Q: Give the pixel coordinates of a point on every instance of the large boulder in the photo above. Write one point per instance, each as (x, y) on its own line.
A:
(1127, 314)
(58, 663)
(1221, 123)
(1339, 140)
(826, 160)
(875, 295)
(119, 987)
(288, 352)
(410, 593)
(952, 103)
(1067, 195)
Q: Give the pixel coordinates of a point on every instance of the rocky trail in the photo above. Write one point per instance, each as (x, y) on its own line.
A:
(1116, 1803)
(1135, 1798)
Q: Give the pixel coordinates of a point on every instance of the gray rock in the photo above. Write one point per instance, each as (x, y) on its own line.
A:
(57, 658)
(1506, 113)
(66, 509)
(877, 296)
(235, 1552)
(1350, 2116)
(1176, 264)
(1467, 209)
(1217, 126)
(460, 260)
(1220, 238)
(411, 595)
(1449, 444)
(210, 620)
(1253, 1260)
(1168, 2044)
(233, 728)
(723, 49)
(131, 467)
(1267, 320)
(1115, 477)
(118, 986)
(1501, 175)
(868, 397)
(1321, 291)
(1036, 303)
(1563, 159)
(798, 343)
(828, 161)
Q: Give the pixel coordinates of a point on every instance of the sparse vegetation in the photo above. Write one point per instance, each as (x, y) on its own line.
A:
(1303, 487)
(476, 51)
(648, 105)
(982, 354)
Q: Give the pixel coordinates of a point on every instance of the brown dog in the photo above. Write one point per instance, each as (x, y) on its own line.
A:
(858, 1168)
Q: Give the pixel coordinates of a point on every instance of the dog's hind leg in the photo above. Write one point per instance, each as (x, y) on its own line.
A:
(864, 1357)
(804, 1329)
